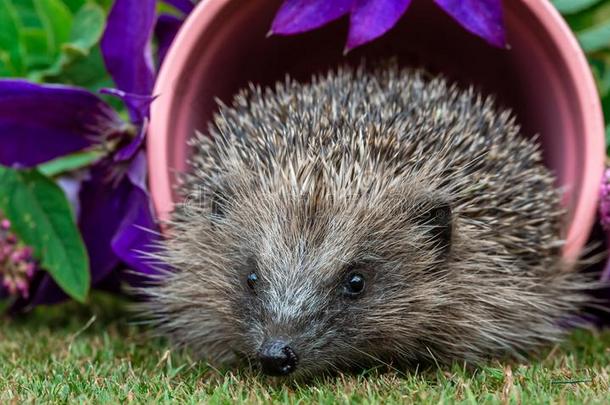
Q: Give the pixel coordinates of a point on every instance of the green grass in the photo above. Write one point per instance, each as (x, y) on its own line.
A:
(78, 354)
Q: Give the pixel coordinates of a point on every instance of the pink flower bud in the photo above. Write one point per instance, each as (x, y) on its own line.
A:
(6, 250)
(17, 266)
(22, 286)
(16, 256)
(29, 269)
(26, 253)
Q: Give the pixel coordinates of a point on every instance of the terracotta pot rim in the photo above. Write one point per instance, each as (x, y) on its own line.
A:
(585, 209)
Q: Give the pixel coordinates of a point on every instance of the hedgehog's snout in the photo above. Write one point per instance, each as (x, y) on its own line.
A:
(277, 358)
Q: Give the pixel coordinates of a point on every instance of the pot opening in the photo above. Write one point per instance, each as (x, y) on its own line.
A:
(533, 78)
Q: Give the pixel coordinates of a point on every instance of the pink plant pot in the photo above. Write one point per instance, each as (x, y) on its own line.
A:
(544, 78)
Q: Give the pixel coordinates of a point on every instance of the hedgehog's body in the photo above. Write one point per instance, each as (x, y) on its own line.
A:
(365, 217)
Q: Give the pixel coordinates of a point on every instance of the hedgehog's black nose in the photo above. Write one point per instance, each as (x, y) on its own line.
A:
(277, 358)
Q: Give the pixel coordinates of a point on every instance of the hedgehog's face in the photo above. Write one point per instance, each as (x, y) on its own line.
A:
(323, 283)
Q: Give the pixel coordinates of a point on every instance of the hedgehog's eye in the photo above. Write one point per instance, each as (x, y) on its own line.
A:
(251, 280)
(354, 284)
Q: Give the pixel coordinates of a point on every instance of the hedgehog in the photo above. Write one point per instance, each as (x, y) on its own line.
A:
(365, 217)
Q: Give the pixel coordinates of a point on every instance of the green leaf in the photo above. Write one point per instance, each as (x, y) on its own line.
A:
(87, 28)
(11, 52)
(27, 13)
(56, 19)
(89, 72)
(70, 162)
(53, 39)
(600, 65)
(573, 6)
(37, 54)
(5, 305)
(595, 38)
(42, 218)
(106, 4)
(74, 5)
(80, 62)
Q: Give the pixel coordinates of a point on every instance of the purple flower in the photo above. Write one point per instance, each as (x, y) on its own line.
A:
(369, 19)
(17, 265)
(165, 31)
(167, 26)
(113, 189)
(39, 123)
(115, 214)
(126, 45)
(136, 230)
(481, 17)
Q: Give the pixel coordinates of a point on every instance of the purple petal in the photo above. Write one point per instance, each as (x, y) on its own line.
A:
(165, 31)
(46, 293)
(71, 186)
(371, 19)
(186, 6)
(103, 205)
(39, 123)
(129, 151)
(138, 172)
(138, 105)
(139, 110)
(481, 17)
(296, 16)
(126, 45)
(138, 232)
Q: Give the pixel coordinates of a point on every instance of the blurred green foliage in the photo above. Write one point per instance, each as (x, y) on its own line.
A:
(54, 41)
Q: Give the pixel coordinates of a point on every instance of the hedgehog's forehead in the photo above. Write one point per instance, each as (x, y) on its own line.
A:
(303, 177)
(312, 206)
(294, 228)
